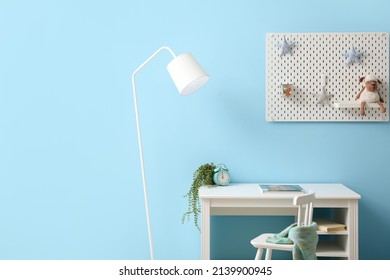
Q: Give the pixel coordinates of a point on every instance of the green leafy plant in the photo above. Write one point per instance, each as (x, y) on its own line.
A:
(203, 176)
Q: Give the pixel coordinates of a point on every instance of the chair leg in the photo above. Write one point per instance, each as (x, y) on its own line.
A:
(268, 254)
(259, 253)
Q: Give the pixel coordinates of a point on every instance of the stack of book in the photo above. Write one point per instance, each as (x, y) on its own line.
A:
(330, 226)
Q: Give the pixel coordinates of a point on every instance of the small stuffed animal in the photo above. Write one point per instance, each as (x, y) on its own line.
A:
(369, 93)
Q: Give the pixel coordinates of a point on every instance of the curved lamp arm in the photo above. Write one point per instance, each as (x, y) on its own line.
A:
(149, 59)
(188, 77)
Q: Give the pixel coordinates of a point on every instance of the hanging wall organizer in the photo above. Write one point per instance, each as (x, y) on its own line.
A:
(315, 76)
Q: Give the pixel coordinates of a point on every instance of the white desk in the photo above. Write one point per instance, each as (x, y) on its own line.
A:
(246, 199)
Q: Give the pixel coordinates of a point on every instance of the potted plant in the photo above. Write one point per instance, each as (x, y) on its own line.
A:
(203, 176)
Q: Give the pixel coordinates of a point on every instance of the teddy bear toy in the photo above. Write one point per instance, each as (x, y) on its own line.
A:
(369, 93)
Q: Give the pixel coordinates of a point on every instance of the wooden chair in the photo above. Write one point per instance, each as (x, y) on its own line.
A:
(304, 218)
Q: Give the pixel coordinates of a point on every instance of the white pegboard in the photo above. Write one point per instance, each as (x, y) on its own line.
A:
(315, 55)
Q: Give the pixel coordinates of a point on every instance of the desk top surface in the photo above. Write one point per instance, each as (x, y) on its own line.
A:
(245, 190)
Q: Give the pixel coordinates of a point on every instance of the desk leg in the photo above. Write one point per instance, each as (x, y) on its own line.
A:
(353, 231)
(205, 230)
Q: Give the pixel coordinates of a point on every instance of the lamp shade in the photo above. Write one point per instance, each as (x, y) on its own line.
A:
(187, 74)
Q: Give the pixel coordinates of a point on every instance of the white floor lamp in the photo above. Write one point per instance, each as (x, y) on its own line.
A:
(188, 77)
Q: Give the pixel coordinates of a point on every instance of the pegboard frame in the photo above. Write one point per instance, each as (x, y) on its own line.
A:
(318, 54)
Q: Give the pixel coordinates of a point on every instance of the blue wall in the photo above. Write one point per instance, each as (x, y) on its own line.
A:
(70, 183)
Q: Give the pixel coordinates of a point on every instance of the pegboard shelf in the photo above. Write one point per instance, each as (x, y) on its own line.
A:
(354, 104)
(315, 57)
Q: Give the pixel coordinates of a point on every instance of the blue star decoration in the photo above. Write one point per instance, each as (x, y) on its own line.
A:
(285, 47)
(353, 56)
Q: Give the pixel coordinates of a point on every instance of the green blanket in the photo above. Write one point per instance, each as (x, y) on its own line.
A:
(304, 238)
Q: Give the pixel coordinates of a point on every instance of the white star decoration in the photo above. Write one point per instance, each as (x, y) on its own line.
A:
(285, 47)
(353, 56)
(323, 97)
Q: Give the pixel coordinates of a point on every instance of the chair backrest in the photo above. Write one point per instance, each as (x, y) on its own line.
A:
(305, 208)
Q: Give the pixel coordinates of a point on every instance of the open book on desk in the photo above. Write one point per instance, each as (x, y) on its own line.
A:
(296, 189)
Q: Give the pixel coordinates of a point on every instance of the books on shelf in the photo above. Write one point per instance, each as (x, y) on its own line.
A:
(280, 188)
(329, 226)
